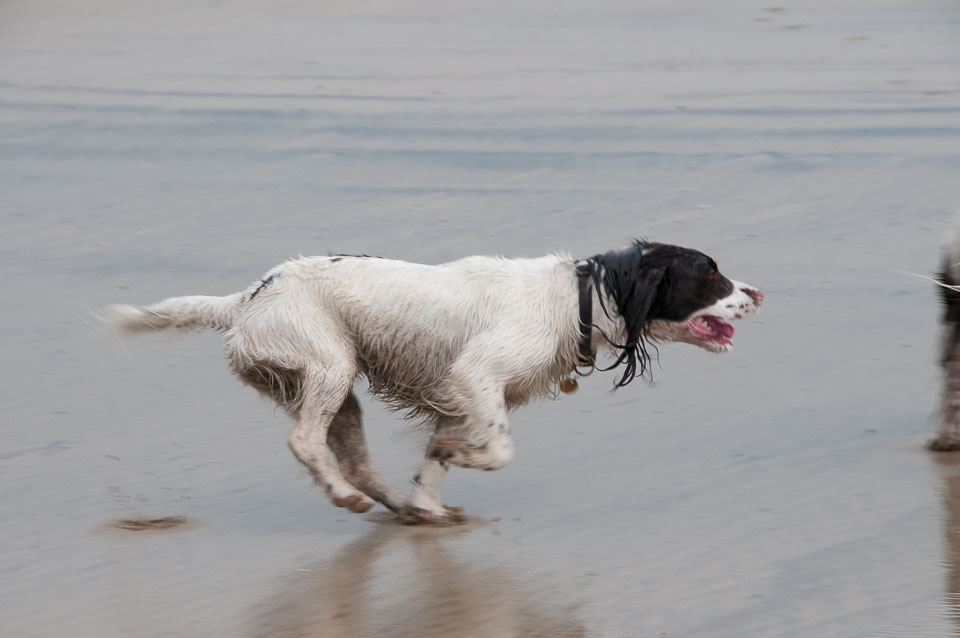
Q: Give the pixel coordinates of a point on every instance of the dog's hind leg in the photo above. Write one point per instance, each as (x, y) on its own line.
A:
(323, 395)
(345, 437)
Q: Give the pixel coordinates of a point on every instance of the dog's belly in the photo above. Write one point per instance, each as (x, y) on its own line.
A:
(407, 367)
(407, 357)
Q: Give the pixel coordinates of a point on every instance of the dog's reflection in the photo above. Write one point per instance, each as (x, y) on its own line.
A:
(402, 582)
(948, 466)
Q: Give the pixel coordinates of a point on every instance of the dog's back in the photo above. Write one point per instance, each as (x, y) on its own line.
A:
(404, 323)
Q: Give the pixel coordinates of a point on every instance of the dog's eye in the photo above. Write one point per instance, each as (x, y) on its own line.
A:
(714, 274)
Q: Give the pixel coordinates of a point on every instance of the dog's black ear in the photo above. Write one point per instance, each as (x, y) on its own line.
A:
(632, 285)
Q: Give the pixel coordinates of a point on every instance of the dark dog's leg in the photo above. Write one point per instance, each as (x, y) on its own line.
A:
(948, 437)
(323, 394)
(345, 437)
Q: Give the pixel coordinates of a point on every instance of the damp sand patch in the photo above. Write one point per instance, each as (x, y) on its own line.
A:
(148, 524)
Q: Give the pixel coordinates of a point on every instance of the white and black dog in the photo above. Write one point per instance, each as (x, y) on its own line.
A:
(458, 345)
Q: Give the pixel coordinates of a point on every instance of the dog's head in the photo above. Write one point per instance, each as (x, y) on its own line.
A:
(670, 293)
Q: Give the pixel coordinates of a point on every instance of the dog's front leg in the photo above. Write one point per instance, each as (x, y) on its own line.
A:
(483, 440)
(948, 437)
(425, 502)
(480, 440)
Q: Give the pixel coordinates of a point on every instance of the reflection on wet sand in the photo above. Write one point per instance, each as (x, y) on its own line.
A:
(948, 466)
(403, 581)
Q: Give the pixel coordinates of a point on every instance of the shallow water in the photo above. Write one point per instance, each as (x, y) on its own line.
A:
(185, 148)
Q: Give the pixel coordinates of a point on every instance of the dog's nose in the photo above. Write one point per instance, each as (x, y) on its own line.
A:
(754, 294)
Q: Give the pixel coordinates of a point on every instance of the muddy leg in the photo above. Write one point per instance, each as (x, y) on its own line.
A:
(323, 394)
(345, 437)
(425, 503)
(483, 440)
(426, 495)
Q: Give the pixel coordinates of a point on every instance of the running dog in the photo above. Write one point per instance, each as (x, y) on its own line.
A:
(458, 345)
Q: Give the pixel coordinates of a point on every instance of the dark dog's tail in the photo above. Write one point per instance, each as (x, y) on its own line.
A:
(179, 313)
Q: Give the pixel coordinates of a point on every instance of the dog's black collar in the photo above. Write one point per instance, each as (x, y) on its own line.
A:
(584, 272)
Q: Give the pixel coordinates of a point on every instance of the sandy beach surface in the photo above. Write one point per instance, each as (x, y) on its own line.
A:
(167, 148)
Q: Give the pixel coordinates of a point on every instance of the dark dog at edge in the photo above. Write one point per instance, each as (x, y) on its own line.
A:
(948, 436)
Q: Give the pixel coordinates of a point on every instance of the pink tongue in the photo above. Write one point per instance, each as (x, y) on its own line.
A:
(719, 326)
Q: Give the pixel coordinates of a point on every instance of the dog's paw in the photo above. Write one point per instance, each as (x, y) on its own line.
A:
(944, 444)
(412, 515)
(423, 509)
(356, 503)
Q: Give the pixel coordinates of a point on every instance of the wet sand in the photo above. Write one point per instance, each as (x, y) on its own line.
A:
(185, 148)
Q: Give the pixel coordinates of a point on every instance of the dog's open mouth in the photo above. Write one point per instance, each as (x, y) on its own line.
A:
(712, 328)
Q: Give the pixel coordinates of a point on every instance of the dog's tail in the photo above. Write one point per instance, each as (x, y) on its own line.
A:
(179, 313)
